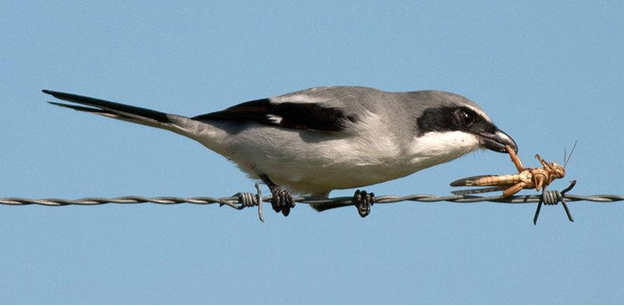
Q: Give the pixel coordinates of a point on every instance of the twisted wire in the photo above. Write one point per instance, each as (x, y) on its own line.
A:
(243, 200)
(552, 197)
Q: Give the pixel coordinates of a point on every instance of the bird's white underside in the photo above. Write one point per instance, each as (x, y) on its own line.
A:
(371, 156)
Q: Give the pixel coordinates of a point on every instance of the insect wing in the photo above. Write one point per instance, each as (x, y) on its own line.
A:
(468, 181)
(478, 190)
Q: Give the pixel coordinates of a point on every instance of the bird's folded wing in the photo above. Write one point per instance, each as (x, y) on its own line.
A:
(292, 115)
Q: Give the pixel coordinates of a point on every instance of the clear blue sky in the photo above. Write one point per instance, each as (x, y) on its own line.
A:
(549, 73)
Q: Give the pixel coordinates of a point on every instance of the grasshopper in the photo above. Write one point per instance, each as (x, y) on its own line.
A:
(526, 178)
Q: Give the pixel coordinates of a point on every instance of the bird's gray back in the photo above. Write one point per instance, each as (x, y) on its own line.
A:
(401, 109)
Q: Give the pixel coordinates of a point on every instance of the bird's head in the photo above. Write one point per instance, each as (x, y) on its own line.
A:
(456, 124)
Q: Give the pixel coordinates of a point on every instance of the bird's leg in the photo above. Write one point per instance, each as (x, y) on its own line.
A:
(281, 199)
(363, 202)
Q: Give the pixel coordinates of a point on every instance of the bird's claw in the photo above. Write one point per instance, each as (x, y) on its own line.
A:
(363, 202)
(281, 200)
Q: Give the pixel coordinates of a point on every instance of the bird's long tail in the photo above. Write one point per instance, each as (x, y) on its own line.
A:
(178, 124)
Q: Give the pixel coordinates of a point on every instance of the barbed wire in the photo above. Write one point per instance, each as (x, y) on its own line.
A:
(244, 200)
(338, 201)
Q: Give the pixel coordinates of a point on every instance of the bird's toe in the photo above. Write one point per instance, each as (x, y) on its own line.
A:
(281, 201)
(363, 202)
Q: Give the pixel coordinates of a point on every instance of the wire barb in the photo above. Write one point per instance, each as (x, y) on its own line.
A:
(553, 197)
(246, 199)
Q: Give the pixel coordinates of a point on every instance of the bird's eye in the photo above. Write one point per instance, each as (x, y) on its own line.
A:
(466, 118)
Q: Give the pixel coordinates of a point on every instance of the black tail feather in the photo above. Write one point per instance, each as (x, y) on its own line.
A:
(79, 108)
(104, 107)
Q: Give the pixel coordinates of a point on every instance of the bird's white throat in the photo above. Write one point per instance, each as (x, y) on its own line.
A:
(439, 147)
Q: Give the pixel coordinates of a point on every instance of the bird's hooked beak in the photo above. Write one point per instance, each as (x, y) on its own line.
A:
(497, 141)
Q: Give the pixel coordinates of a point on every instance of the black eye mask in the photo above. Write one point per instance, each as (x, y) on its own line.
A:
(444, 119)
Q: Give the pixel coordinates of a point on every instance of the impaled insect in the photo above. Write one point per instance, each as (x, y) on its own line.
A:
(526, 178)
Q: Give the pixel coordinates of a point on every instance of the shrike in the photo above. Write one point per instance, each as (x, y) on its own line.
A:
(320, 139)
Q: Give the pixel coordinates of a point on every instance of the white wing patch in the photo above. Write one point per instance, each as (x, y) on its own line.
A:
(274, 118)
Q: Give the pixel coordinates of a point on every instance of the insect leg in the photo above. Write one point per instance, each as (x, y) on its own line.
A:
(539, 182)
(513, 189)
(543, 162)
(515, 159)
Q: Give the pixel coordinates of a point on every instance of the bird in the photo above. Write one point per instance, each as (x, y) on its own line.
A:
(320, 139)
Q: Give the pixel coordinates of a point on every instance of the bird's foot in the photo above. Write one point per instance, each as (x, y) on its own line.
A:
(281, 200)
(363, 202)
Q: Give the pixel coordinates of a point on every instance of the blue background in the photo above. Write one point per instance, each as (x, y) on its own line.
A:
(548, 73)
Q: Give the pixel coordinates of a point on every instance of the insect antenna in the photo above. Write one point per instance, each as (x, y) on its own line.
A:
(566, 160)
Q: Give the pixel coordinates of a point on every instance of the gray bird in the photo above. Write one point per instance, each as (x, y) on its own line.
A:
(320, 139)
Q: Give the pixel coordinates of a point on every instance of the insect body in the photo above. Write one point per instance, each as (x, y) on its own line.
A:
(526, 178)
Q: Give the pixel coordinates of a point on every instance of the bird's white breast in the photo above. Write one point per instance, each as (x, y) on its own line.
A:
(310, 162)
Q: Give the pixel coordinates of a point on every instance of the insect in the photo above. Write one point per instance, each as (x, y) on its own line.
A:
(526, 178)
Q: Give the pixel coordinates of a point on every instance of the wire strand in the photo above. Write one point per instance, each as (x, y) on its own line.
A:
(338, 201)
(242, 200)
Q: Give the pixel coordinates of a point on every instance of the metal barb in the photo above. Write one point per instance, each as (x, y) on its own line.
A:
(259, 201)
(244, 200)
(563, 202)
(553, 198)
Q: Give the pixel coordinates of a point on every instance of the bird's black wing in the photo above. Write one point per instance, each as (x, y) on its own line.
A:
(292, 115)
